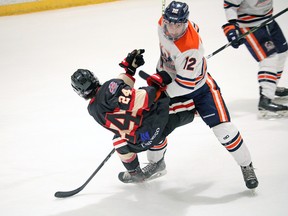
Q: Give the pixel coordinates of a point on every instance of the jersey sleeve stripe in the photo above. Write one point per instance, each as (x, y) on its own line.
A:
(250, 18)
(181, 106)
(229, 5)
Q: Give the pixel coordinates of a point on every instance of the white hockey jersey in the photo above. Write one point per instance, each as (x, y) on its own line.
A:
(184, 60)
(248, 13)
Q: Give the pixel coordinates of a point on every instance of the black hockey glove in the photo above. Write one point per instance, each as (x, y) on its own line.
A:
(133, 60)
(232, 32)
(159, 80)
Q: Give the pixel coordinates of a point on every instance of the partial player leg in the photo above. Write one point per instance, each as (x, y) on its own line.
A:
(231, 139)
(134, 173)
(130, 161)
(135, 176)
(156, 166)
(268, 78)
(281, 91)
(249, 176)
(268, 47)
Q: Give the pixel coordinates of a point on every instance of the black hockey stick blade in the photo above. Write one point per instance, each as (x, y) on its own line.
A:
(143, 74)
(64, 194)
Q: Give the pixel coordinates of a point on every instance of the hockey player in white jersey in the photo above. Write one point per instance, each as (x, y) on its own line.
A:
(267, 45)
(182, 58)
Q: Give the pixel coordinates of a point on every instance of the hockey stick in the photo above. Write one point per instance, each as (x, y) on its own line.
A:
(248, 32)
(64, 194)
(143, 74)
(163, 6)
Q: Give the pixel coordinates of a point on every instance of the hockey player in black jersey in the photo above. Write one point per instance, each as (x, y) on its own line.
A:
(137, 117)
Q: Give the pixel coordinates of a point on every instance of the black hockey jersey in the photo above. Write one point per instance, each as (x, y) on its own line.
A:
(131, 114)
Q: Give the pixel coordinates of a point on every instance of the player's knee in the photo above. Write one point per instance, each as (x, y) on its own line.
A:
(225, 131)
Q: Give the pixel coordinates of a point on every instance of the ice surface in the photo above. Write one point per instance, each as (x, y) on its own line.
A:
(48, 141)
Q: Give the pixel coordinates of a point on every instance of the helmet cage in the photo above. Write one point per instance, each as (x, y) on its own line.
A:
(175, 14)
(178, 31)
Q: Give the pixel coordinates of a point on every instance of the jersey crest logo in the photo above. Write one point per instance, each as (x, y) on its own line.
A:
(167, 59)
(269, 45)
(113, 86)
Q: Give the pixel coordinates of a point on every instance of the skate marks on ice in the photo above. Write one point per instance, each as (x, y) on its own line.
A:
(160, 198)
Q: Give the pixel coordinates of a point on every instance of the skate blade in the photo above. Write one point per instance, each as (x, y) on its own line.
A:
(268, 115)
(157, 175)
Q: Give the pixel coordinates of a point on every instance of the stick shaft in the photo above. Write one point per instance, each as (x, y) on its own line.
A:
(63, 194)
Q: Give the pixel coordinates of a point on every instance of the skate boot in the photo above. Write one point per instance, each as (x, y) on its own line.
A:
(281, 92)
(268, 109)
(155, 170)
(132, 177)
(249, 176)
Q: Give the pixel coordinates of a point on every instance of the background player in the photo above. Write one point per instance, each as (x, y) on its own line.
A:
(267, 45)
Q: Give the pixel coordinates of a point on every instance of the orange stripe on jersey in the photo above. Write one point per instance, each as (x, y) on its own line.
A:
(248, 17)
(186, 83)
(160, 21)
(217, 99)
(252, 17)
(190, 40)
(260, 53)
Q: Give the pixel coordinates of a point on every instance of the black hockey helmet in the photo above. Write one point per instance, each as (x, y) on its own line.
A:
(176, 12)
(84, 83)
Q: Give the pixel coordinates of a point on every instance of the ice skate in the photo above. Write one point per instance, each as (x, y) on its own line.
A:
(155, 170)
(269, 110)
(132, 177)
(281, 92)
(249, 176)
(281, 96)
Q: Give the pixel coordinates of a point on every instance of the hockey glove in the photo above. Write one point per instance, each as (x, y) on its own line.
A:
(232, 32)
(159, 80)
(133, 60)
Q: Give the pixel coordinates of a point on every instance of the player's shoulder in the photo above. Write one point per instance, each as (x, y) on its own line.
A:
(190, 40)
(111, 86)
